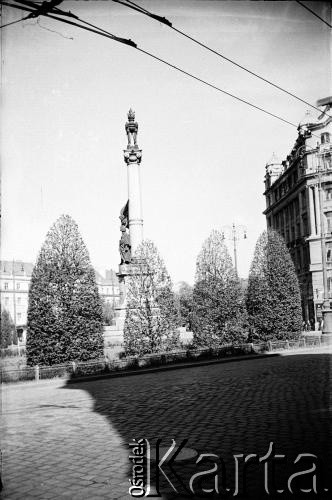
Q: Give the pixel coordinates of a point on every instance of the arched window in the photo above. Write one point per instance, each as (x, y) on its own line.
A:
(325, 138)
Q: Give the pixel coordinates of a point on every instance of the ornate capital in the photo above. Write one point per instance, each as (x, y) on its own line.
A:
(132, 156)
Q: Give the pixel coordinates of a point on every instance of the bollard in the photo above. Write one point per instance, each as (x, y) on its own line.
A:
(269, 345)
(287, 344)
(74, 367)
(37, 373)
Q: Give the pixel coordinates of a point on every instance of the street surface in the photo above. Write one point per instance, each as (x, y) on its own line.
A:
(71, 440)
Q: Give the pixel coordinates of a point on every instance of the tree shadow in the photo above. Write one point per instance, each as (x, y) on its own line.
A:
(260, 407)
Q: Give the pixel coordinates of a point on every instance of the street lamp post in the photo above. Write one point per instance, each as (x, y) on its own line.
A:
(235, 233)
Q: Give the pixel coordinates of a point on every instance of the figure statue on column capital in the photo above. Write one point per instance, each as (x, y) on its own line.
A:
(124, 244)
(131, 130)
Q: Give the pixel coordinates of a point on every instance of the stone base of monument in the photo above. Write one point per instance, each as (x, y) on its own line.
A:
(112, 336)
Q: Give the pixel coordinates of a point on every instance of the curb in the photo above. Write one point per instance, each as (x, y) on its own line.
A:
(143, 371)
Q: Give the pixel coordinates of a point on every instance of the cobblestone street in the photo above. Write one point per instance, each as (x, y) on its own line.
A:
(71, 440)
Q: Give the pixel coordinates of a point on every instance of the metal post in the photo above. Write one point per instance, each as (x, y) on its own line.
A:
(233, 234)
(14, 292)
(234, 244)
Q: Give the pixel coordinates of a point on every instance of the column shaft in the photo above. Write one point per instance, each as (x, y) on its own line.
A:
(135, 206)
(312, 213)
(317, 203)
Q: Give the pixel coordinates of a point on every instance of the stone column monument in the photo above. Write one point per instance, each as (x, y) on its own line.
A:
(131, 214)
(132, 157)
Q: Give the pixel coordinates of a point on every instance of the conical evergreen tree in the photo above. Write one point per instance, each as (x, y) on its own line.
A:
(151, 317)
(218, 307)
(273, 295)
(65, 317)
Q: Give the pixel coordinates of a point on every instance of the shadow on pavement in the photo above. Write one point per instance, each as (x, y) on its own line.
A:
(240, 412)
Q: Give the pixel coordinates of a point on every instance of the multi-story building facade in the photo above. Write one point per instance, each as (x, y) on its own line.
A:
(300, 212)
(15, 278)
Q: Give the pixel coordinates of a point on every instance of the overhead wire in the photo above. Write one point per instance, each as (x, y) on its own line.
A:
(140, 9)
(98, 31)
(313, 13)
(53, 31)
(107, 34)
(187, 73)
(14, 22)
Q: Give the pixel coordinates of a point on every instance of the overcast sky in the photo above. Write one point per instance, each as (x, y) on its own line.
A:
(65, 98)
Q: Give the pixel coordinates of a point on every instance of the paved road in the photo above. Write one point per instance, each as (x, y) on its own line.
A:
(71, 441)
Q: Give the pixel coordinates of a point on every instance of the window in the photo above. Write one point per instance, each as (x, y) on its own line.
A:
(298, 259)
(325, 138)
(277, 221)
(328, 216)
(18, 286)
(305, 225)
(328, 193)
(329, 252)
(327, 162)
(6, 286)
(303, 199)
(298, 230)
(19, 315)
(292, 233)
(19, 300)
(282, 220)
(329, 282)
(6, 301)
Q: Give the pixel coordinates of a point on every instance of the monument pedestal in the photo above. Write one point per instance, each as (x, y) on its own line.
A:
(120, 311)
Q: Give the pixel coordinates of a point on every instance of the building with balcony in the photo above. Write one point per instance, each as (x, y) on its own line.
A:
(294, 210)
(15, 278)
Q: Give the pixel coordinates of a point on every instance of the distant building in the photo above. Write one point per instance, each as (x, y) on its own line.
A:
(15, 278)
(293, 206)
(108, 287)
